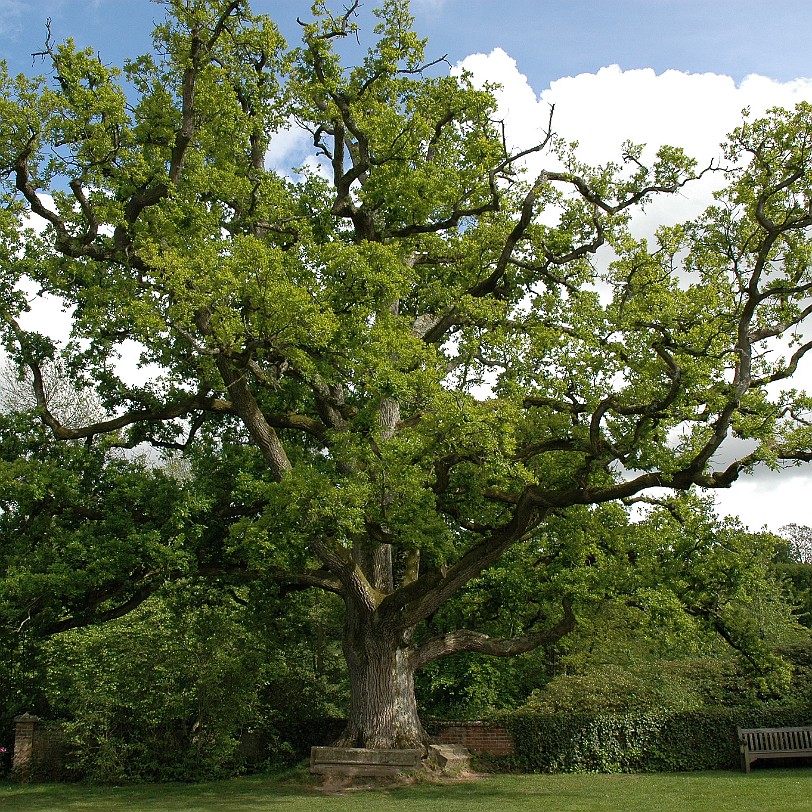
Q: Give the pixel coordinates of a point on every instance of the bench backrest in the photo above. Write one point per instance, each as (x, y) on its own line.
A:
(770, 739)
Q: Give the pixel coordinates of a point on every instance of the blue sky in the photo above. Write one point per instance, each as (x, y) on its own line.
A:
(548, 38)
(655, 71)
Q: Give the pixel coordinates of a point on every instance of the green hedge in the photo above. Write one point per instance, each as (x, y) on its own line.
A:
(638, 742)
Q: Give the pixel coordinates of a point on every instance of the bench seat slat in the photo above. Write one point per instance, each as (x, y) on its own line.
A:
(776, 742)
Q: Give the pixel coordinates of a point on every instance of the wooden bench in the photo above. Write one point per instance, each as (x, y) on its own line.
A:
(774, 742)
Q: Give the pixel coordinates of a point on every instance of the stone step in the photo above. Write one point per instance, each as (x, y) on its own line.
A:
(451, 757)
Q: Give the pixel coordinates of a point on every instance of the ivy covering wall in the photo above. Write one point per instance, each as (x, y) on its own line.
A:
(638, 742)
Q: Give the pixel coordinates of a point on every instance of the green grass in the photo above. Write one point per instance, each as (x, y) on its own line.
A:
(785, 790)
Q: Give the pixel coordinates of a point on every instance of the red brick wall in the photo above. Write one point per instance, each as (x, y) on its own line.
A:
(479, 737)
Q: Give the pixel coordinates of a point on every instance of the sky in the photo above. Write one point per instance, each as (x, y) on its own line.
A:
(653, 71)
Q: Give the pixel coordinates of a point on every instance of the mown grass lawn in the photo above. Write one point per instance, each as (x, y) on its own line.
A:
(785, 790)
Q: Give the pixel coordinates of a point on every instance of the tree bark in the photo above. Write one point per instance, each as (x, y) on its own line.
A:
(383, 709)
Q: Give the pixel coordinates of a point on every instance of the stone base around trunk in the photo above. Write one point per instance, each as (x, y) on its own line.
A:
(362, 761)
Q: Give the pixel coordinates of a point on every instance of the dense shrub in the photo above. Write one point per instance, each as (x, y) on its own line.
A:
(302, 733)
(6, 747)
(638, 742)
(186, 688)
(799, 656)
(611, 688)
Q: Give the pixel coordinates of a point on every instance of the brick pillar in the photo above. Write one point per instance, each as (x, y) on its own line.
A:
(25, 726)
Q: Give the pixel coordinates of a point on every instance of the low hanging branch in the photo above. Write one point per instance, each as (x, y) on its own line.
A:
(465, 640)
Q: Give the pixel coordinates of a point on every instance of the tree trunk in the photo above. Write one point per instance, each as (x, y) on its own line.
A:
(383, 709)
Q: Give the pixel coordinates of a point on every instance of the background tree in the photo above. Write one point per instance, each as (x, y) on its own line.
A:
(395, 372)
(678, 609)
(799, 543)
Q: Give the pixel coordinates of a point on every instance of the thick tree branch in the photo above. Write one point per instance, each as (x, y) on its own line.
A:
(169, 411)
(355, 585)
(586, 191)
(466, 640)
(246, 406)
(418, 600)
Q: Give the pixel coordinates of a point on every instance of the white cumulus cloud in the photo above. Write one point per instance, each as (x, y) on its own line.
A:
(602, 110)
(694, 111)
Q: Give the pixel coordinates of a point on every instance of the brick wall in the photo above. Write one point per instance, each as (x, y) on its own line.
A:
(478, 737)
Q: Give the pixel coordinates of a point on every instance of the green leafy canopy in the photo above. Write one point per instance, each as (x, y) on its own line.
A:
(389, 372)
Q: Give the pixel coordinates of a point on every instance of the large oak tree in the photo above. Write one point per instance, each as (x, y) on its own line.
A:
(405, 364)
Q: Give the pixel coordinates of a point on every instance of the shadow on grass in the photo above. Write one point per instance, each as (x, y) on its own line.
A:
(763, 791)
